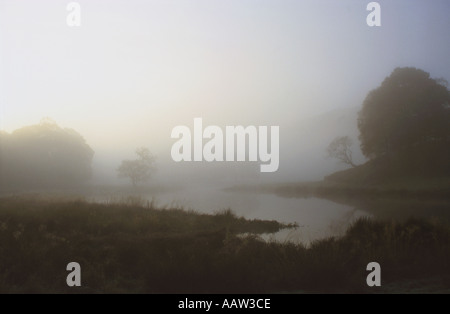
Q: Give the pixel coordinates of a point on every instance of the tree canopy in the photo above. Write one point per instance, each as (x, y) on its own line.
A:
(44, 155)
(408, 109)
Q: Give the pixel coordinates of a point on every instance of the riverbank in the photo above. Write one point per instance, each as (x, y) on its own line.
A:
(420, 189)
(137, 248)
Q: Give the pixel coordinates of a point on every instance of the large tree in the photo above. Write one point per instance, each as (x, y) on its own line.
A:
(408, 109)
(44, 155)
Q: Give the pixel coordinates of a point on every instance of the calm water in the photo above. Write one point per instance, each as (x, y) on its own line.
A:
(317, 218)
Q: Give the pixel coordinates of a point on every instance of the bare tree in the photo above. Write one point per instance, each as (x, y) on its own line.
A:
(138, 170)
(340, 148)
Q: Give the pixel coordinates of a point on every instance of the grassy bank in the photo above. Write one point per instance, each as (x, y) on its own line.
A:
(136, 248)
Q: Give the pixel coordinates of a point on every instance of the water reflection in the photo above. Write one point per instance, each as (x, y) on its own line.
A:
(317, 218)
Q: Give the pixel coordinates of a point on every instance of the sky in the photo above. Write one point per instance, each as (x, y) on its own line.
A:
(136, 69)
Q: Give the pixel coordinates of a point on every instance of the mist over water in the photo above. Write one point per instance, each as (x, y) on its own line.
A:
(135, 70)
(317, 218)
(224, 146)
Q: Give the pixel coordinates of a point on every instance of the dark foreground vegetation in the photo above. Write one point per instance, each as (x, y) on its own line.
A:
(132, 247)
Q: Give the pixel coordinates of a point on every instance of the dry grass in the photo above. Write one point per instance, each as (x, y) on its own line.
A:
(135, 248)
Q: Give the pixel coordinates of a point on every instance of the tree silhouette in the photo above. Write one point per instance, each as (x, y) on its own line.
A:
(340, 148)
(138, 170)
(408, 109)
(44, 155)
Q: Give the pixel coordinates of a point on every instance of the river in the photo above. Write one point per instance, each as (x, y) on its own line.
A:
(316, 218)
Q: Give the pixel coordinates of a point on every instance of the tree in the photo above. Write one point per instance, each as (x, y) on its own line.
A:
(138, 170)
(44, 155)
(408, 109)
(340, 148)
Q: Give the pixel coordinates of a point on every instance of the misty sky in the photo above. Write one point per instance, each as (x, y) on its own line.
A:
(135, 69)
